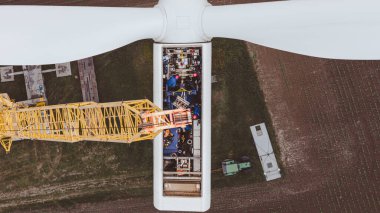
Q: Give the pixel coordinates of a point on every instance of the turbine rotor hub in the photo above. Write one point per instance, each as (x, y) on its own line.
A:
(183, 21)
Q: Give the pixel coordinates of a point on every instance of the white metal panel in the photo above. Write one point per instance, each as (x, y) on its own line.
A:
(265, 151)
(197, 165)
(196, 135)
(197, 145)
(338, 29)
(35, 35)
(262, 140)
(183, 21)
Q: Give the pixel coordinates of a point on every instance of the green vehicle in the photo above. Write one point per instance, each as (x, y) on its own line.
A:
(232, 167)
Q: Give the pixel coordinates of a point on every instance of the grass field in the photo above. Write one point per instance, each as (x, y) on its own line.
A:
(237, 104)
(65, 174)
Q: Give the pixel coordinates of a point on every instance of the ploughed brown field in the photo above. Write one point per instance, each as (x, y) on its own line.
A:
(326, 117)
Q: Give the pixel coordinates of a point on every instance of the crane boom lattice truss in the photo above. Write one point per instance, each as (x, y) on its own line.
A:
(124, 122)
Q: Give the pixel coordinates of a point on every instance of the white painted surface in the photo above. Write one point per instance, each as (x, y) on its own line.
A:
(183, 21)
(265, 151)
(170, 203)
(197, 148)
(340, 29)
(39, 34)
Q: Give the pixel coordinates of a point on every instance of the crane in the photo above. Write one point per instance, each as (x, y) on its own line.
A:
(123, 122)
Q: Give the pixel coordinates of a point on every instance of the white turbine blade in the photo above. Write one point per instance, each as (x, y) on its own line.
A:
(34, 35)
(339, 29)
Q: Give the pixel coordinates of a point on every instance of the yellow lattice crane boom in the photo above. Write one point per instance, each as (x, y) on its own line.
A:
(124, 122)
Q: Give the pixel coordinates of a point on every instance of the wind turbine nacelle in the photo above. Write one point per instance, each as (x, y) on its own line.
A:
(182, 21)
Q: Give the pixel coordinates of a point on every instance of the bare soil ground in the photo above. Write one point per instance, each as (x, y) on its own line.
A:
(326, 115)
(327, 122)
